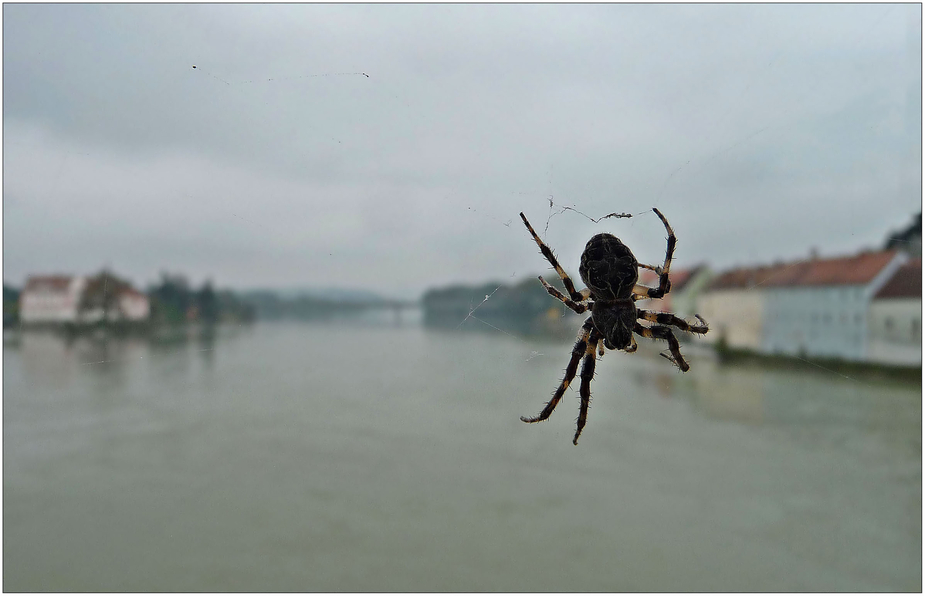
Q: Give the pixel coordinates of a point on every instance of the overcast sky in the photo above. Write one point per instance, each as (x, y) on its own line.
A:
(760, 131)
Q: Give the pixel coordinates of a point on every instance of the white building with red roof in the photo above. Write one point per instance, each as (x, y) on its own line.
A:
(134, 305)
(733, 306)
(895, 318)
(818, 307)
(814, 307)
(51, 299)
(56, 299)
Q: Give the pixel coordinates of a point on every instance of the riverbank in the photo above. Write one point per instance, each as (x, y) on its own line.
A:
(844, 368)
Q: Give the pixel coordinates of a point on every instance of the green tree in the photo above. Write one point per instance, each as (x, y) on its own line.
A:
(102, 294)
(171, 300)
(10, 306)
(207, 304)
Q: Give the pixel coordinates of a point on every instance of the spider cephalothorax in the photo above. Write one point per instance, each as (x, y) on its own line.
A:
(610, 271)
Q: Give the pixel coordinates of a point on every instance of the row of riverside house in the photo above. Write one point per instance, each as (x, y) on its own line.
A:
(865, 307)
(57, 299)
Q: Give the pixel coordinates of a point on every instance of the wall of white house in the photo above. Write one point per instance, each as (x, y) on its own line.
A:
(135, 308)
(895, 331)
(734, 315)
(827, 321)
(42, 306)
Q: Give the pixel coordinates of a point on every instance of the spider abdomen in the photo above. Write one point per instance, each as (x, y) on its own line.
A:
(608, 268)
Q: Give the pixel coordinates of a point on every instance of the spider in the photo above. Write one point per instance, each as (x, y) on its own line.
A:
(610, 273)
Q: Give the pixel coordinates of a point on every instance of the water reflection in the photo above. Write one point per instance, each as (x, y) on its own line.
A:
(771, 396)
(334, 456)
(206, 346)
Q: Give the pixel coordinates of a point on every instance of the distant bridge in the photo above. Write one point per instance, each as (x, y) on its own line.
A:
(390, 304)
(396, 306)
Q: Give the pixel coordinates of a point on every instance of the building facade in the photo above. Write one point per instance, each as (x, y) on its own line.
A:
(733, 305)
(51, 299)
(819, 307)
(135, 306)
(895, 318)
(59, 299)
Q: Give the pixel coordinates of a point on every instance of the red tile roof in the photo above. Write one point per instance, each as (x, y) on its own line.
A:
(48, 283)
(905, 283)
(132, 292)
(852, 270)
(744, 277)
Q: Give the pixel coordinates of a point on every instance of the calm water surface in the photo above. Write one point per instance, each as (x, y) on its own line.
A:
(353, 458)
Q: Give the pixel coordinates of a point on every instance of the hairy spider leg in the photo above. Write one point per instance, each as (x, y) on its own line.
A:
(659, 332)
(580, 349)
(641, 292)
(576, 306)
(632, 347)
(587, 373)
(664, 318)
(600, 346)
(547, 252)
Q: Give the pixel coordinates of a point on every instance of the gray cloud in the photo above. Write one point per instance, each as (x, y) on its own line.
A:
(760, 130)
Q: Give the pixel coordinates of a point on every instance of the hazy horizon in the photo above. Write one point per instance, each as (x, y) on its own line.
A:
(391, 147)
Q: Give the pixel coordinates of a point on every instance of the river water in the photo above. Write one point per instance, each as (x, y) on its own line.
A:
(358, 457)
